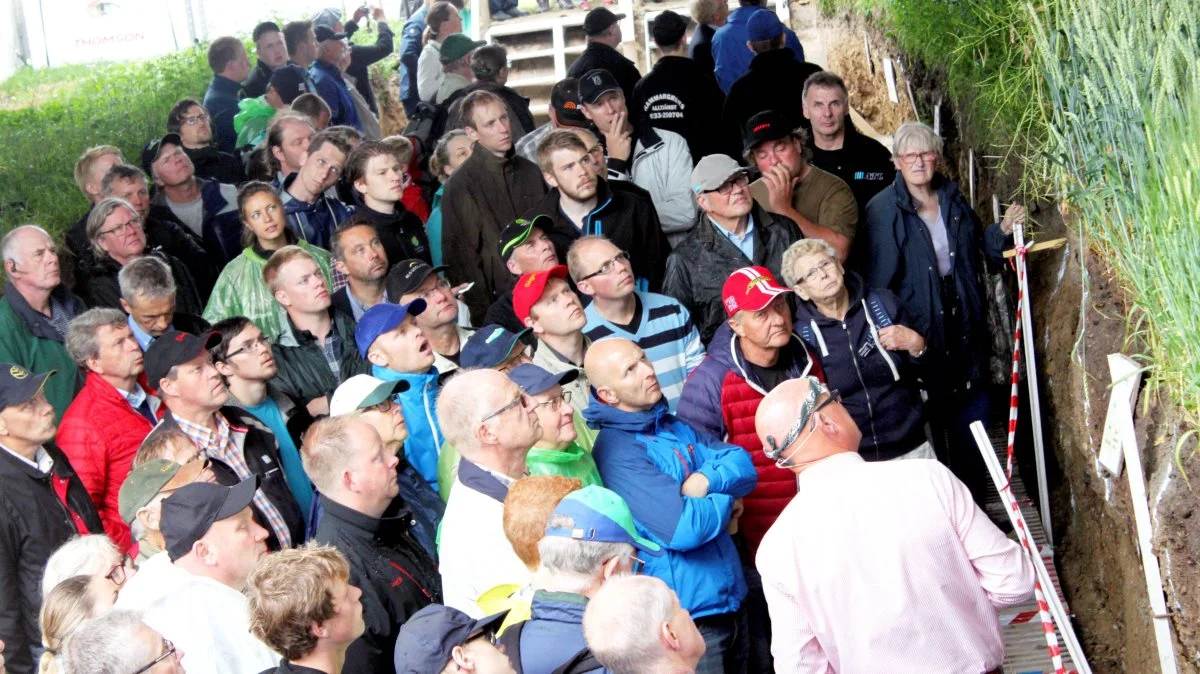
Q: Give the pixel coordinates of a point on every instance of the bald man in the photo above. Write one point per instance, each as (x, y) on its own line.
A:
(34, 313)
(683, 488)
(877, 567)
(493, 424)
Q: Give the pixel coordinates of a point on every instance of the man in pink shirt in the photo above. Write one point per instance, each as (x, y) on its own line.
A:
(877, 567)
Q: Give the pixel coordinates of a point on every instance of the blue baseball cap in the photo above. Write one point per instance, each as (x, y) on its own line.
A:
(489, 346)
(533, 379)
(381, 318)
(427, 639)
(763, 25)
(602, 516)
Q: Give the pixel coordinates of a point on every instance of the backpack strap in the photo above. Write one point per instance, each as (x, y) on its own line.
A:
(582, 662)
(510, 639)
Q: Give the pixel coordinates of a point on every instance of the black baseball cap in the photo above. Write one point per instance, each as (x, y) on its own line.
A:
(175, 348)
(407, 276)
(190, 512)
(668, 29)
(324, 33)
(289, 81)
(564, 99)
(598, 20)
(150, 152)
(427, 640)
(595, 83)
(518, 231)
(18, 385)
(766, 125)
(534, 379)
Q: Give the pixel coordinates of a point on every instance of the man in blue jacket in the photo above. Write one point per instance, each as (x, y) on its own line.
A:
(230, 65)
(388, 337)
(683, 488)
(326, 72)
(729, 48)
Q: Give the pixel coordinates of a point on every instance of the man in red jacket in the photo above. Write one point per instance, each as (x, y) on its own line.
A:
(103, 428)
(750, 354)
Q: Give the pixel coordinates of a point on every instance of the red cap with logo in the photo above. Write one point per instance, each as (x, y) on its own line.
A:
(750, 289)
(530, 287)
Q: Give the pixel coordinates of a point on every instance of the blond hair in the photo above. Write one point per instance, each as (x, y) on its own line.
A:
(67, 606)
(281, 257)
(157, 445)
(402, 147)
(327, 449)
(558, 139)
(83, 165)
(527, 508)
(802, 248)
(290, 591)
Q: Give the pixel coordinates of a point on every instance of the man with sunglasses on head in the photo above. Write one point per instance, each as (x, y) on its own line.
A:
(866, 550)
(684, 489)
(112, 414)
(590, 537)
(46, 505)
(731, 232)
(660, 325)
(492, 423)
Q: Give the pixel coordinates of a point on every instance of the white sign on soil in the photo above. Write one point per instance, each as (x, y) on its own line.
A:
(889, 74)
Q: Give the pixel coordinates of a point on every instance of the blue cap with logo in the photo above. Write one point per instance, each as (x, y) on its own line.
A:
(602, 516)
(533, 379)
(382, 318)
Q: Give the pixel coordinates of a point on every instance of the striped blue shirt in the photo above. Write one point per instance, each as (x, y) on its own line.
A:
(663, 329)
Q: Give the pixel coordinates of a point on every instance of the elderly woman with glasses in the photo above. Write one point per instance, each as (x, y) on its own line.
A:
(866, 351)
(922, 241)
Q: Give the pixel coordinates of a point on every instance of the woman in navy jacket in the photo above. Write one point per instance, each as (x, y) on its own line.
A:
(922, 241)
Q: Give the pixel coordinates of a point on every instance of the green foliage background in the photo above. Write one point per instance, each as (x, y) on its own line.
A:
(117, 104)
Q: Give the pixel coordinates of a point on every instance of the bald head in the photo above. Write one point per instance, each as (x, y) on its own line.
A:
(621, 375)
(826, 427)
(489, 420)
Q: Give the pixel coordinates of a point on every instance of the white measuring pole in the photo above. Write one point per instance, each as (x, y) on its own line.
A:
(1128, 372)
(1057, 610)
(1035, 403)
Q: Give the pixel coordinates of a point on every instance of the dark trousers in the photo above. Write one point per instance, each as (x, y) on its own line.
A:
(725, 641)
(950, 416)
(758, 621)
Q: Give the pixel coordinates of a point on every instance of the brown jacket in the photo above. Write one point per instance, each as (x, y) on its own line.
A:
(482, 198)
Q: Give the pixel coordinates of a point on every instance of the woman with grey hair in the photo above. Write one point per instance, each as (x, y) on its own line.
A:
(922, 241)
(116, 233)
(867, 353)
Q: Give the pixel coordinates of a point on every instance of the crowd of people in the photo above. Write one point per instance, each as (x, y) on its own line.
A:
(678, 381)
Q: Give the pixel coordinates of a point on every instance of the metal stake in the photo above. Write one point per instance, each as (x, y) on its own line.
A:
(1035, 405)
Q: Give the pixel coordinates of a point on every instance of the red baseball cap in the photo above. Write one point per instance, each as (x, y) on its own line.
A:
(529, 289)
(750, 288)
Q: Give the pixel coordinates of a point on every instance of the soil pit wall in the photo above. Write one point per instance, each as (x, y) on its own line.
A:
(1080, 315)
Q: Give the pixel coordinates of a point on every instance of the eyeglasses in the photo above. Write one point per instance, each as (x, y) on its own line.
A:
(442, 285)
(257, 344)
(381, 407)
(520, 399)
(557, 401)
(636, 565)
(911, 158)
(609, 266)
(825, 268)
(737, 182)
(128, 224)
(168, 651)
(193, 120)
(118, 574)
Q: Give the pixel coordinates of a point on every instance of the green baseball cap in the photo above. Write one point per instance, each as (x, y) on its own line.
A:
(148, 479)
(602, 516)
(457, 46)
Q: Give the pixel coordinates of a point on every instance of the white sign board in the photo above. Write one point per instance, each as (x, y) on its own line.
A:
(86, 31)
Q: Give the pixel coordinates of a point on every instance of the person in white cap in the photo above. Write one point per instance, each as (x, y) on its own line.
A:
(373, 400)
(882, 566)
(731, 232)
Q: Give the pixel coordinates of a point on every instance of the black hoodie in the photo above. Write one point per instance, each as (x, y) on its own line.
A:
(879, 388)
(678, 95)
(401, 233)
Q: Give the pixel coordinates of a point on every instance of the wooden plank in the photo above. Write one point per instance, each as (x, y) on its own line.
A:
(1040, 245)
